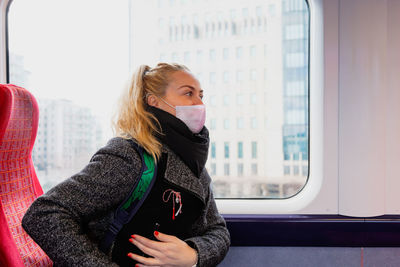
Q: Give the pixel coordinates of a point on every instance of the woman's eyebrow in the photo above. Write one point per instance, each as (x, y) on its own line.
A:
(191, 87)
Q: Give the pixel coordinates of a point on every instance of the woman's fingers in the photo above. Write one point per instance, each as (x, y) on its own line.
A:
(149, 251)
(144, 261)
(164, 237)
(156, 245)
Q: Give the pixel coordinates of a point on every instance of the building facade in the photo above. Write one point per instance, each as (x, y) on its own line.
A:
(295, 58)
(240, 52)
(67, 137)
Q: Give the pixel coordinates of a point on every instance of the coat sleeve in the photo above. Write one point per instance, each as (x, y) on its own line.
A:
(58, 219)
(213, 239)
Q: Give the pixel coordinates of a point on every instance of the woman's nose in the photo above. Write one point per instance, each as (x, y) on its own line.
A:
(198, 101)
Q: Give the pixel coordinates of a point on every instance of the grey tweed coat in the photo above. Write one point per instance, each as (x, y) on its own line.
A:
(69, 221)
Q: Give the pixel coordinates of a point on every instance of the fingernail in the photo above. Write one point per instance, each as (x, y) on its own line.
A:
(156, 233)
(137, 265)
(133, 236)
(129, 254)
(131, 239)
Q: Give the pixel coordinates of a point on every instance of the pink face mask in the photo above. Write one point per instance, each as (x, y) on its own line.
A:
(193, 116)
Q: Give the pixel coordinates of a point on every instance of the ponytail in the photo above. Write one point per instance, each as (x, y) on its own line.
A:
(132, 119)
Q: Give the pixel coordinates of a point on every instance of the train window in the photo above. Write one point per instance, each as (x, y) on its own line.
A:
(252, 61)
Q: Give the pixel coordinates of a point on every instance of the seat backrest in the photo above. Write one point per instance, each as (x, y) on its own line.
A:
(19, 186)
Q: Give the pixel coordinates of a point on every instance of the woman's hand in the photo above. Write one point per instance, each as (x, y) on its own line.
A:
(169, 251)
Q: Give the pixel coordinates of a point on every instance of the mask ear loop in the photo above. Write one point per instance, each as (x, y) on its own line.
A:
(148, 94)
(166, 102)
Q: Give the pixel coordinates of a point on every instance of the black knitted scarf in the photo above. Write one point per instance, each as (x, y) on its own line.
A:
(191, 148)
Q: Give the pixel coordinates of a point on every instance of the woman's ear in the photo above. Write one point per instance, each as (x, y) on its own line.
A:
(152, 101)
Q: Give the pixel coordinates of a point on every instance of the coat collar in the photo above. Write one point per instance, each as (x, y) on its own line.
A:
(179, 174)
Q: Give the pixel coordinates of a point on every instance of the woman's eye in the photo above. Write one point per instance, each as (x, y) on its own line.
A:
(189, 94)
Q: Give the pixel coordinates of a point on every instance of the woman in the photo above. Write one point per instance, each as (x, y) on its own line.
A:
(178, 223)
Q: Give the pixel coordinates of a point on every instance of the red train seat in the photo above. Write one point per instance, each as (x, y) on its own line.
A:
(19, 186)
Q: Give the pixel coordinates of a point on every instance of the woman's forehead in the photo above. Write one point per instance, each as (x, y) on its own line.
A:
(180, 78)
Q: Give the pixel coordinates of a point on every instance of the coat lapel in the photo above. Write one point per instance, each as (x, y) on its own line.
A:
(179, 174)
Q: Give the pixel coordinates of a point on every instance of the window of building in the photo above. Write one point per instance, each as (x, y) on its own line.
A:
(253, 75)
(253, 51)
(226, 150)
(240, 99)
(295, 116)
(233, 28)
(213, 78)
(213, 100)
(254, 150)
(240, 150)
(253, 122)
(212, 55)
(253, 98)
(245, 12)
(240, 169)
(213, 169)
(161, 23)
(239, 52)
(226, 124)
(295, 60)
(213, 150)
(186, 57)
(272, 10)
(304, 171)
(199, 56)
(259, 11)
(295, 31)
(254, 170)
(226, 100)
(294, 5)
(196, 32)
(226, 169)
(252, 25)
(226, 28)
(240, 123)
(286, 170)
(232, 14)
(295, 88)
(199, 76)
(175, 57)
(226, 77)
(296, 170)
(213, 124)
(225, 53)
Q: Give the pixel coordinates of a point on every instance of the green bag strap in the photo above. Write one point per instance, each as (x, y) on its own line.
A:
(139, 192)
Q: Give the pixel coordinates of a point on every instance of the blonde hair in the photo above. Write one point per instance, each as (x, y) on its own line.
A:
(132, 119)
